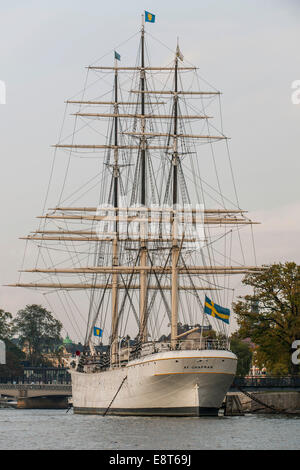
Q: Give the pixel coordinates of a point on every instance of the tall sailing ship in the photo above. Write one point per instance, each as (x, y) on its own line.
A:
(149, 254)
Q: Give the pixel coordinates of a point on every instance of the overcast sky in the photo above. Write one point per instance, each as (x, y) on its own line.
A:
(248, 49)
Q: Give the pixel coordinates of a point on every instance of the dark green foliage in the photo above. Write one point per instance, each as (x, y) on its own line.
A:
(244, 355)
(5, 324)
(38, 331)
(14, 358)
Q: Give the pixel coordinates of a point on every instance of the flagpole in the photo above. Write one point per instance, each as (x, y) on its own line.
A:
(143, 255)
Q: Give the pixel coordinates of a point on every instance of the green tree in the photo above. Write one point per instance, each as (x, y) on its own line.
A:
(5, 324)
(14, 358)
(271, 315)
(38, 330)
(14, 355)
(244, 355)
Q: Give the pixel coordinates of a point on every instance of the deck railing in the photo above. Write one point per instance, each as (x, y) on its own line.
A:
(182, 345)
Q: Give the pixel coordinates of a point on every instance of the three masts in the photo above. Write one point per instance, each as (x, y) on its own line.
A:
(156, 256)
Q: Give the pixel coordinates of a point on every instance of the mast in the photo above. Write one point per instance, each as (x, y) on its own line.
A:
(143, 253)
(143, 140)
(115, 260)
(175, 249)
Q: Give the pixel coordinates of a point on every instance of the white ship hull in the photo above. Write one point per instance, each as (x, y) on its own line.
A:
(171, 383)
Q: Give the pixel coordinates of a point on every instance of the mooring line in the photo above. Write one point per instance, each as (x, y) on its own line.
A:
(115, 396)
(69, 407)
(264, 404)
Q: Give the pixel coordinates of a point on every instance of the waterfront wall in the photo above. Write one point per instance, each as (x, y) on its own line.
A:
(288, 401)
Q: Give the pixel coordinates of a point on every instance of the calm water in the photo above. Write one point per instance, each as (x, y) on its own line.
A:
(56, 429)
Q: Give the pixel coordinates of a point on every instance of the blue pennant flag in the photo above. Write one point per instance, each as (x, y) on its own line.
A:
(149, 17)
(117, 56)
(97, 331)
(216, 311)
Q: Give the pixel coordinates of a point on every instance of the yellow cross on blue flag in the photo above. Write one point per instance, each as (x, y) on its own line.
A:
(149, 17)
(216, 311)
(97, 331)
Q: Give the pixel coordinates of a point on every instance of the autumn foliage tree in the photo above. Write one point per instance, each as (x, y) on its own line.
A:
(271, 315)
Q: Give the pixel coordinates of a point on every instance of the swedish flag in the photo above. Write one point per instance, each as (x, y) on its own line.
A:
(216, 311)
(149, 17)
(97, 331)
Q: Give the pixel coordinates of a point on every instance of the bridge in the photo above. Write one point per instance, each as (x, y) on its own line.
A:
(35, 390)
(266, 384)
(38, 387)
(37, 395)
